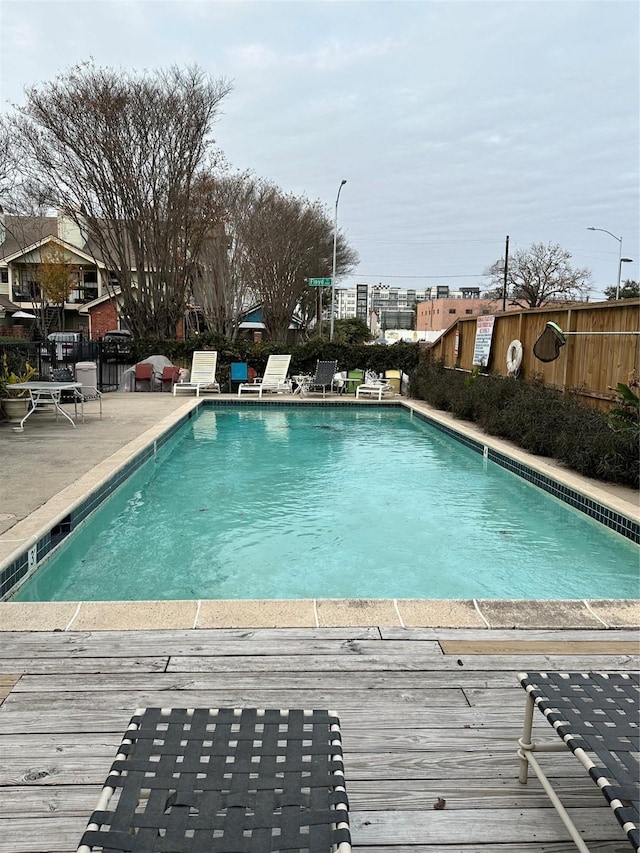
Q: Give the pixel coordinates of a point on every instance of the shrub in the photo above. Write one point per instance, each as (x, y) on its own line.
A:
(538, 419)
(400, 356)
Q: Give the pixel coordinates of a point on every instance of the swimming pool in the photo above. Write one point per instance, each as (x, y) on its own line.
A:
(300, 502)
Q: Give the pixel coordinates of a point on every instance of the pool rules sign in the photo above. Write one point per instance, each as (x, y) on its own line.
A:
(484, 334)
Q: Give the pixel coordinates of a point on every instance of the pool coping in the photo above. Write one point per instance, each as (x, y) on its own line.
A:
(72, 505)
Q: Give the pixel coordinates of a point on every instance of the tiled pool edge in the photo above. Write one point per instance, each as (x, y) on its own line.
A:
(32, 538)
(562, 485)
(26, 543)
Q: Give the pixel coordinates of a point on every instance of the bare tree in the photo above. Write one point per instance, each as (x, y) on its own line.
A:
(6, 162)
(265, 245)
(220, 285)
(288, 240)
(125, 157)
(538, 275)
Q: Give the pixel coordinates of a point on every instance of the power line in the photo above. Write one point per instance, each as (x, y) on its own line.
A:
(368, 237)
(380, 275)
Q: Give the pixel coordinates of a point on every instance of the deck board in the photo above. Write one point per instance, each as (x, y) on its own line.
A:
(7, 683)
(424, 714)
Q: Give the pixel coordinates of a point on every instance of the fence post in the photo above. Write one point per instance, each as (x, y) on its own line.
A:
(570, 353)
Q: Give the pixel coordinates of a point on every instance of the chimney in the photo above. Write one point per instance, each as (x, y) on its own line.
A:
(70, 231)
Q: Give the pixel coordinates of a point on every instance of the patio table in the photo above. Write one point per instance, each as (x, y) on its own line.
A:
(45, 394)
(302, 381)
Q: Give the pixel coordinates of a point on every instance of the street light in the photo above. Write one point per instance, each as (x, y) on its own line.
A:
(621, 260)
(333, 269)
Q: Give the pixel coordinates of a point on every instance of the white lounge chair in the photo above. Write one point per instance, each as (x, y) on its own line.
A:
(203, 374)
(374, 386)
(274, 378)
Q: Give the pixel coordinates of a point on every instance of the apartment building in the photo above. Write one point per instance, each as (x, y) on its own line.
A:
(424, 309)
(394, 306)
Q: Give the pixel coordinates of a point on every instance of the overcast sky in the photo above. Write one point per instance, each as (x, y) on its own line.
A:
(454, 123)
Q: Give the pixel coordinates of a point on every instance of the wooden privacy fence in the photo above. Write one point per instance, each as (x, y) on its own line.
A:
(593, 360)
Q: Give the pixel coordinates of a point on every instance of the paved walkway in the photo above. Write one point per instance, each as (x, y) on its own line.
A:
(48, 456)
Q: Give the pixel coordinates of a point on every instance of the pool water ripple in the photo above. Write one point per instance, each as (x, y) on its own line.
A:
(332, 503)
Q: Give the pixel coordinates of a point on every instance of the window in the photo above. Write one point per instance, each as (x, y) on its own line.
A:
(468, 310)
(452, 310)
(4, 276)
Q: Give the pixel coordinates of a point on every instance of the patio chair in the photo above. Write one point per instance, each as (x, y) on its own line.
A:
(356, 378)
(323, 379)
(374, 386)
(86, 373)
(203, 374)
(225, 779)
(238, 373)
(595, 716)
(143, 373)
(394, 378)
(274, 378)
(64, 374)
(169, 376)
(82, 395)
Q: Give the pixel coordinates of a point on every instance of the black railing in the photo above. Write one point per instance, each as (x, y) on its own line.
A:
(111, 359)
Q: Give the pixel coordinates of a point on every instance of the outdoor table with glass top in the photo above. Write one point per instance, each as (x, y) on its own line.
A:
(48, 395)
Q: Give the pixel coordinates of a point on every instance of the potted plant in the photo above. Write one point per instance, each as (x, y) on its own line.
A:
(14, 401)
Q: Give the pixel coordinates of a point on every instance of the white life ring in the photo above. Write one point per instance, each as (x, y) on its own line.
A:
(514, 357)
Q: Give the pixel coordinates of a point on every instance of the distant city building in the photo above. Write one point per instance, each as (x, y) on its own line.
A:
(384, 307)
(436, 315)
(389, 303)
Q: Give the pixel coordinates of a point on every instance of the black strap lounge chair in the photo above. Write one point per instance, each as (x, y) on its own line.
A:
(224, 779)
(323, 379)
(596, 716)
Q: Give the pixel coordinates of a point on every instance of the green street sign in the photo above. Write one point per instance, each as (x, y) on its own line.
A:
(319, 282)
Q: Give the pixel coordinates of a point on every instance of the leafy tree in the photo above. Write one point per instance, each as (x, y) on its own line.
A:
(56, 276)
(538, 275)
(127, 157)
(351, 330)
(628, 290)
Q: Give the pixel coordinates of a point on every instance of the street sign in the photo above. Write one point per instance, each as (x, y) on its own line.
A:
(319, 282)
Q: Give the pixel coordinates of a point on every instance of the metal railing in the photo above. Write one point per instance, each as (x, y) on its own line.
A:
(111, 359)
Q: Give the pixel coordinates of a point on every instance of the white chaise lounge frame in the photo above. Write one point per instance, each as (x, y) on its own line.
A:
(203, 374)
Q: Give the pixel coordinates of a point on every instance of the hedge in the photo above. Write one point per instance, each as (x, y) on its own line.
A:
(400, 356)
(537, 418)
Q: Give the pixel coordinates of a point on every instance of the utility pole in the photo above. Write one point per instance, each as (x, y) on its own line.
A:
(506, 271)
(333, 270)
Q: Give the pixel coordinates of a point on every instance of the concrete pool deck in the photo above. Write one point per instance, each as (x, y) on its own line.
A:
(50, 467)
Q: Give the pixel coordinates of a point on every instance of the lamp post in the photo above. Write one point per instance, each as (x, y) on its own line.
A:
(333, 268)
(621, 260)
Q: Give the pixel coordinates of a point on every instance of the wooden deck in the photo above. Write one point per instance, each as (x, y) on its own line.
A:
(427, 716)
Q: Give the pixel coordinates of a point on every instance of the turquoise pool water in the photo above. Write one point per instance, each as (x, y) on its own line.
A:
(331, 503)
